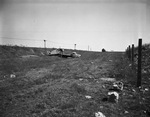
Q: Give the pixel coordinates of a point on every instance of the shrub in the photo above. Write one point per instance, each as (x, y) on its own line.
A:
(103, 50)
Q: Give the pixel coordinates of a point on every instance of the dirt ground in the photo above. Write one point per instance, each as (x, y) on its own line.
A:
(50, 86)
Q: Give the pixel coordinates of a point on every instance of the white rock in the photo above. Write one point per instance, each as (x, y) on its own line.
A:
(130, 65)
(126, 112)
(103, 86)
(99, 114)
(88, 97)
(12, 75)
(115, 93)
(81, 79)
(133, 90)
(146, 89)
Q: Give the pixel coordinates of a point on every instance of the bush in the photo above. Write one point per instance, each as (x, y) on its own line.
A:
(103, 50)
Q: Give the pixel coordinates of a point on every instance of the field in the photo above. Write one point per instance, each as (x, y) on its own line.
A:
(35, 85)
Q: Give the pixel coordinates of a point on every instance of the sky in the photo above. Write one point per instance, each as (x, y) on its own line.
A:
(90, 24)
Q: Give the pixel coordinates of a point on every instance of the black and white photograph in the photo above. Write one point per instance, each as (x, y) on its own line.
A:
(74, 58)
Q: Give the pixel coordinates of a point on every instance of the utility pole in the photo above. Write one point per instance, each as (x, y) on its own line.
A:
(88, 47)
(75, 46)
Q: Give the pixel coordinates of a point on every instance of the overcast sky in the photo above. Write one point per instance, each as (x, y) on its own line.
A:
(109, 24)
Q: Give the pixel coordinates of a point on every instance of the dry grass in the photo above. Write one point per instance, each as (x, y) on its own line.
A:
(47, 86)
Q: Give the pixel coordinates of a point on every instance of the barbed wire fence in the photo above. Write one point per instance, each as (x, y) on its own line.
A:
(130, 51)
(45, 43)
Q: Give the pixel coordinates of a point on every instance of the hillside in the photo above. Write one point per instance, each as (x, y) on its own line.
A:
(51, 86)
(17, 51)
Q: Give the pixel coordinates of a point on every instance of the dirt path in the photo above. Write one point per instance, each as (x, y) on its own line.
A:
(56, 87)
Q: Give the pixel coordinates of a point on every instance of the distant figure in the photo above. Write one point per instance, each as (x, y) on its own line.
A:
(103, 50)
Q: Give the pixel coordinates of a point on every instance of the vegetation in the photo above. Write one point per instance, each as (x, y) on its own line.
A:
(50, 86)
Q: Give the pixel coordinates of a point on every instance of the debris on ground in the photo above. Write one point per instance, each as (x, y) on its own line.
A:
(99, 114)
(81, 79)
(103, 86)
(126, 112)
(113, 96)
(12, 75)
(88, 97)
(75, 55)
(92, 62)
(113, 93)
(133, 90)
(56, 52)
(146, 89)
(60, 52)
(118, 85)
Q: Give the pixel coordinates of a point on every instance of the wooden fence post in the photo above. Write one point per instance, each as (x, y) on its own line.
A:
(129, 54)
(127, 51)
(132, 56)
(139, 63)
(45, 46)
